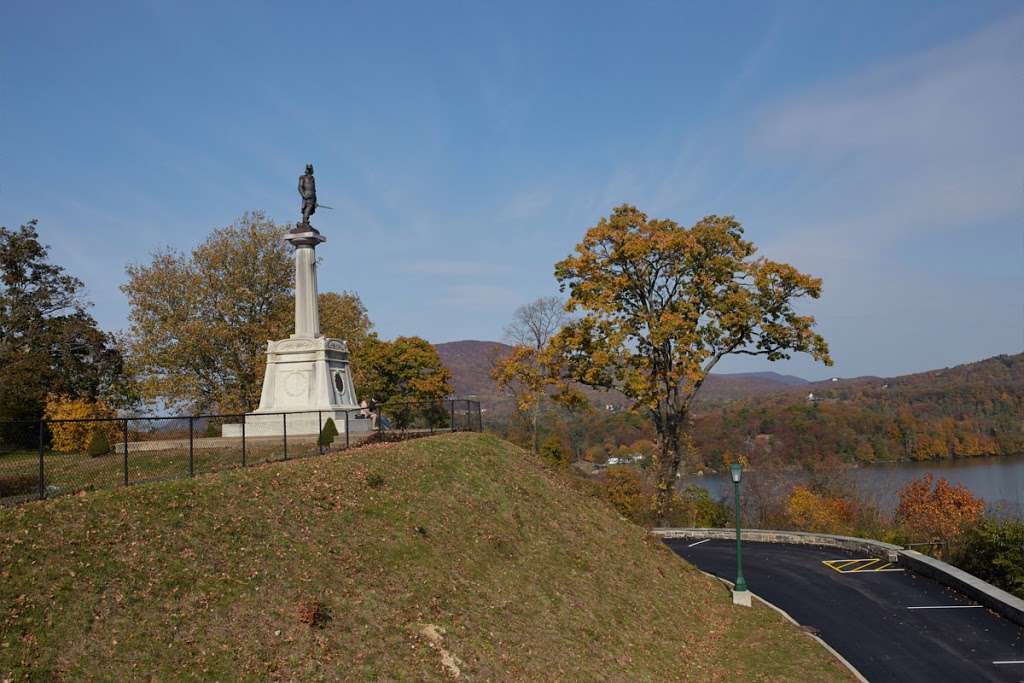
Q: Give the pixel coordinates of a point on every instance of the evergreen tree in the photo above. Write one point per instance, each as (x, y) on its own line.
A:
(328, 433)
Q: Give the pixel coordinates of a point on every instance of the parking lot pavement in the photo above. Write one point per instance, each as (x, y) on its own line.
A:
(890, 623)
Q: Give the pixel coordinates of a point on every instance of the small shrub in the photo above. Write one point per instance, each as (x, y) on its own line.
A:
(994, 551)
(625, 490)
(374, 480)
(75, 437)
(693, 507)
(553, 452)
(99, 444)
(328, 433)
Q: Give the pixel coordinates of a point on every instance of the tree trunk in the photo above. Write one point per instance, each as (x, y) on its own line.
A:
(536, 419)
(668, 464)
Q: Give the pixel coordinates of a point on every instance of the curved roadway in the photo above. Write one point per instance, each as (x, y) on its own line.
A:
(891, 625)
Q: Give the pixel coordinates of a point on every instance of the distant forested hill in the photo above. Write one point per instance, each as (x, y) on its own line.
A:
(470, 363)
(965, 411)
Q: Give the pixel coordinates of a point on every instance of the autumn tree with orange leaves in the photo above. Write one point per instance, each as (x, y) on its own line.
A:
(810, 511)
(660, 305)
(942, 512)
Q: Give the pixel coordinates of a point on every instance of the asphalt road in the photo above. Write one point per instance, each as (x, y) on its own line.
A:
(873, 618)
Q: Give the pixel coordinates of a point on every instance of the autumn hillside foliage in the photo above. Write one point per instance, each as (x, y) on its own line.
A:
(962, 412)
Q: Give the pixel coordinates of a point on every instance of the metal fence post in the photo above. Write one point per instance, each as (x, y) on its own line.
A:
(319, 430)
(452, 408)
(124, 443)
(191, 463)
(42, 475)
(243, 441)
(284, 433)
(380, 421)
(346, 430)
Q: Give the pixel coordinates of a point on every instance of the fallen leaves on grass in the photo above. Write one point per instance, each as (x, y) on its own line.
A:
(313, 613)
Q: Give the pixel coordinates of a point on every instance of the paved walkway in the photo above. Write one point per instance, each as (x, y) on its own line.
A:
(892, 624)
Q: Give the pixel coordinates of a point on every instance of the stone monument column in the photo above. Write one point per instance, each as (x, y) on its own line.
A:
(308, 378)
(307, 307)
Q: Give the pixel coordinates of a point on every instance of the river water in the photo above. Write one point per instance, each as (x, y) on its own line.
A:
(999, 481)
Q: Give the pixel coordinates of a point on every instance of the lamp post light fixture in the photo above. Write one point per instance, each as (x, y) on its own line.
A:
(740, 594)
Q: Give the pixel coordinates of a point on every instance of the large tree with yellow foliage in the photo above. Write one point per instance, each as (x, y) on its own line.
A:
(659, 305)
(200, 321)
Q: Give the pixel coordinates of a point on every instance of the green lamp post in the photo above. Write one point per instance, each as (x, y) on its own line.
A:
(740, 594)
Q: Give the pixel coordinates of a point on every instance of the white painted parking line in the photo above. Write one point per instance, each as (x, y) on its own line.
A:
(946, 607)
(1011, 661)
(698, 542)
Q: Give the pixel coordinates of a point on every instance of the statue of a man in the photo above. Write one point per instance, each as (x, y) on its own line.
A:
(307, 188)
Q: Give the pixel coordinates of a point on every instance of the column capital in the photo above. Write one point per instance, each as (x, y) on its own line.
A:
(310, 238)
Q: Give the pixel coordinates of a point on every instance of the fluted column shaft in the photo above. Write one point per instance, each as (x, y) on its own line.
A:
(307, 308)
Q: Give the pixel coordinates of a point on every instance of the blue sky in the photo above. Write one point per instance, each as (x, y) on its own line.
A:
(468, 146)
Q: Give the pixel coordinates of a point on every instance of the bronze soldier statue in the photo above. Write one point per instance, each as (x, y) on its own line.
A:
(307, 188)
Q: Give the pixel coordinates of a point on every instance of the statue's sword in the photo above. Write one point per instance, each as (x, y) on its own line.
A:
(324, 206)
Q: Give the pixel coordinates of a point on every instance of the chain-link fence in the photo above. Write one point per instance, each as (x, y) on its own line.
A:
(49, 458)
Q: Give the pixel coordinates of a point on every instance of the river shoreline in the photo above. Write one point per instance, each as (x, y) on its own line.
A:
(996, 479)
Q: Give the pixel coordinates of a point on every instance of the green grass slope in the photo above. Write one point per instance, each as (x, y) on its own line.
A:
(453, 556)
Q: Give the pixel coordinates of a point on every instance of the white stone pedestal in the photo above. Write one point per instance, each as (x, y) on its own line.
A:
(307, 373)
(304, 377)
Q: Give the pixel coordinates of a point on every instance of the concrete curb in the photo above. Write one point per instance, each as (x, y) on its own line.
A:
(980, 591)
(996, 599)
(787, 617)
(861, 545)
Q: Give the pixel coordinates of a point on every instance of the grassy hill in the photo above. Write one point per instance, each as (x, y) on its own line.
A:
(401, 562)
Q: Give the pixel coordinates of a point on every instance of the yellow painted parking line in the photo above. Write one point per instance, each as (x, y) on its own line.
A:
(865, 567)
(839, 564)
(861, 565)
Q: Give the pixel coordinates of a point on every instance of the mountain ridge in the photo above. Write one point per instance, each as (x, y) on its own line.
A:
(470, 362)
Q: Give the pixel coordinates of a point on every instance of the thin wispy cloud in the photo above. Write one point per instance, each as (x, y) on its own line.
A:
(898, 164)
(930, 141)
(478, 297)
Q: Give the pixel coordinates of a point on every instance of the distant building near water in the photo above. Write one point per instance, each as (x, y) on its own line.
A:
(625, 459)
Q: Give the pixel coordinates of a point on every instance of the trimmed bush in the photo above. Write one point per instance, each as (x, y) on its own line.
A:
(99, 444)
(328, 433)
